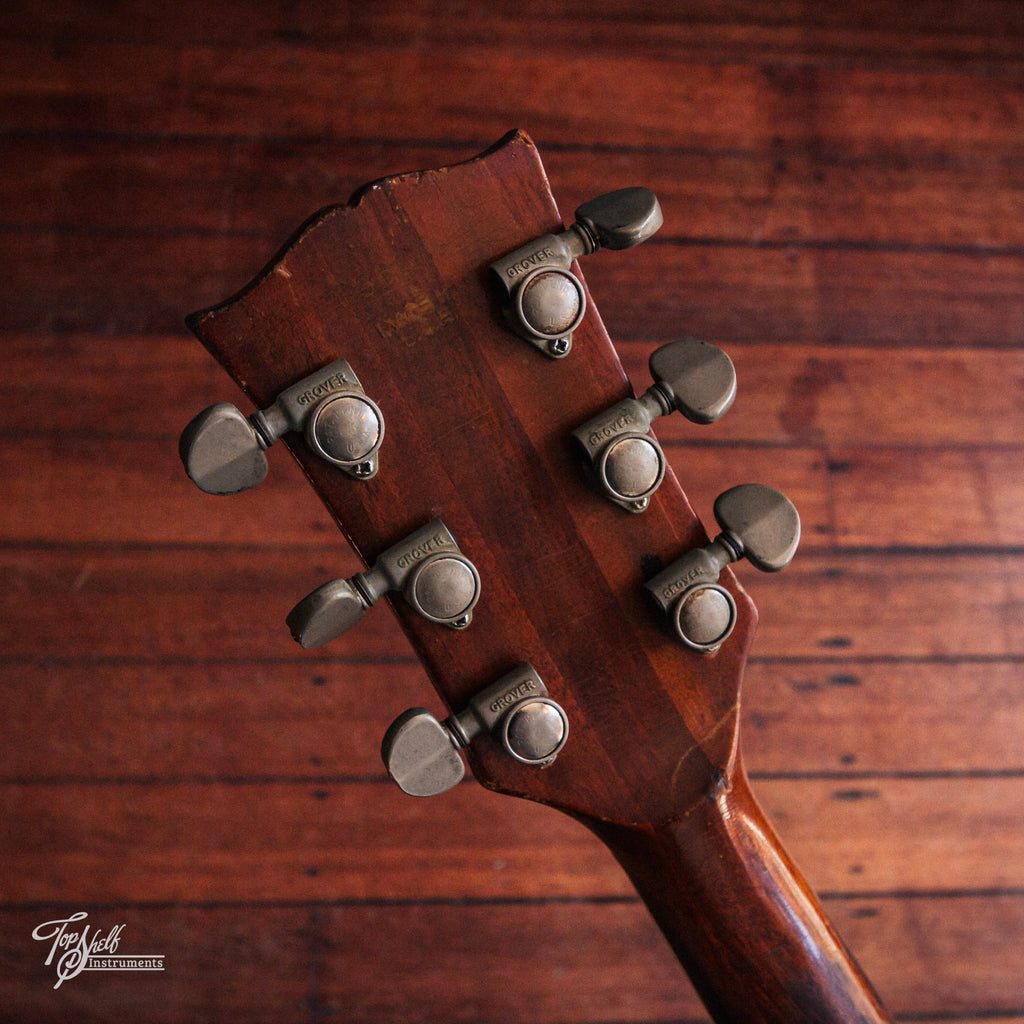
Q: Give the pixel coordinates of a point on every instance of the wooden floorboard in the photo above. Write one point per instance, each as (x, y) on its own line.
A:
(318, 719)
(747, 29)
(788, 393)
(265, 839)
(782, 195)
(421, 962)
(846, 496)
(843, 189)
(728, 293)
(117, 602)
(137, 87)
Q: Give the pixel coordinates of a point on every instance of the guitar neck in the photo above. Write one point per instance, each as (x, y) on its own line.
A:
(742, 921)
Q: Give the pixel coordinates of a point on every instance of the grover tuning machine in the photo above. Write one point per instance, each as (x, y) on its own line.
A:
(690, 376)
(421, 753)
(223, 450)
(759, 524)
(437, 579)
(546, 300)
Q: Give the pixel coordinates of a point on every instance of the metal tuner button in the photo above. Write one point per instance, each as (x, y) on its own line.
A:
(222, 450)
(691, 377)
(546, 301)
(444, 588)
(535, 730)
(758, 523)
(347, 430)
(427, 567)
(421, 753)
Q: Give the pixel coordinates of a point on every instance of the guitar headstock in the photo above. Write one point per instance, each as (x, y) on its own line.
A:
(479, 434)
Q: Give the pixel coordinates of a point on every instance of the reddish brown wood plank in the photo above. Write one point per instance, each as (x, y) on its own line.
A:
(308, 719)
(122, 385)
(267, 840)
(232, 603)
(286, 841)
(933, 835)
(268, 186)
(557, 962)
(943, 981)
(727, 294)
(320, 720)
(106, 491)
(250, 964)
(60, 280)
(984, 491)
(869, 717)
(432, 969)
(875, 497)
(874, 605)
(741, 30)
(732, 294)
(850, 396)
(138, 88)
(82, 491)
(150, 386)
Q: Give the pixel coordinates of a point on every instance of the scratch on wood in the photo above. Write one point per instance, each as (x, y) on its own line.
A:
(855, 794)
(711, 733)
(82, 578)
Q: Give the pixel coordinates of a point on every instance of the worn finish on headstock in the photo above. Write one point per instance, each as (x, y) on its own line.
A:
(479, 433)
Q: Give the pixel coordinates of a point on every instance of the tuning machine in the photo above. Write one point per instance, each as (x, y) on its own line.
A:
(546, 301)
(758, 523)
(693, 377)
(421, 753)
(223, 450)
(436, 578)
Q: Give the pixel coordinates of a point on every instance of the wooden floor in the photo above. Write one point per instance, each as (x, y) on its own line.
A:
(843, 188)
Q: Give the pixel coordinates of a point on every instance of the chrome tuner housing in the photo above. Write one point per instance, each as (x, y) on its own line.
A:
(535, 730)
(546, 300)
(704, 616)
(630, 469)
(692, 377)
(444, 588)
(758, 523)
(548, 306)
(347, 429)
(223, 451)
(435, 577)
(421, 753)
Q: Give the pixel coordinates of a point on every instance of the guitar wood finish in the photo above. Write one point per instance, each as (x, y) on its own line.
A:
(478, 433)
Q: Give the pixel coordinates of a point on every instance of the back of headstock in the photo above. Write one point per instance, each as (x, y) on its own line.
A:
(479, 434)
